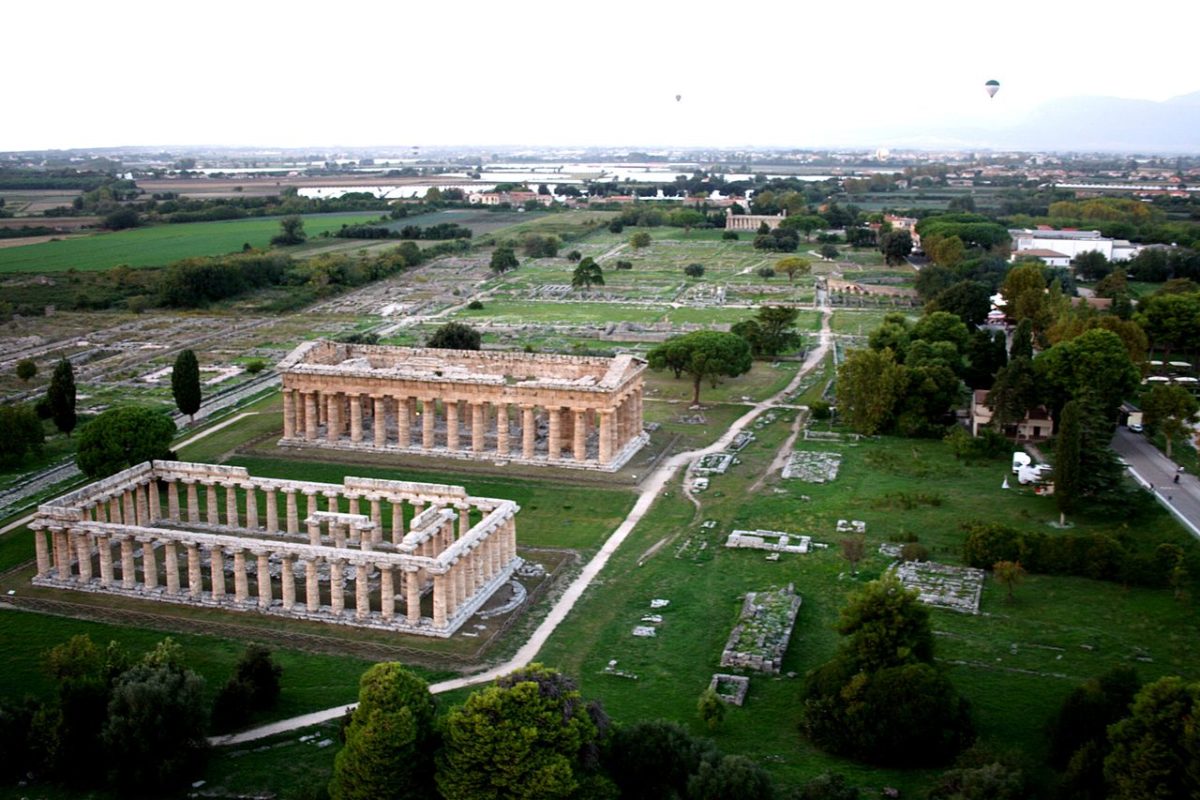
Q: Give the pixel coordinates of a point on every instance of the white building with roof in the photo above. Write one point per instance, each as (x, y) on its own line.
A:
(1071, 243)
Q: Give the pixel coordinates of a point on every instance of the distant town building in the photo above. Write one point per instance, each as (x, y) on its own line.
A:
(1071, 243)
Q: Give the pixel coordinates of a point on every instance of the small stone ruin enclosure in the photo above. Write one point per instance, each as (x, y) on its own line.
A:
(761, 636)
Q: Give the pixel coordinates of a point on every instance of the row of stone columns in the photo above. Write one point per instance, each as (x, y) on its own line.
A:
(69, 558)
(476, 427)
(141, 505)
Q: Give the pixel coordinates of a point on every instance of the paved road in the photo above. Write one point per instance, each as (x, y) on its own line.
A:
(648, 492)
(1151, 468)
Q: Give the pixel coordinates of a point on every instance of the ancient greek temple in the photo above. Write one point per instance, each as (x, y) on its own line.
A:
(567, 411)
(412, 557)
(752, 222)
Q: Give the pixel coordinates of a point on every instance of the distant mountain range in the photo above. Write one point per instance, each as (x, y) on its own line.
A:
(1080, 124)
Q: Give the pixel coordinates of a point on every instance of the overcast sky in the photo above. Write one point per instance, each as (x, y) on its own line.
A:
(750, 73)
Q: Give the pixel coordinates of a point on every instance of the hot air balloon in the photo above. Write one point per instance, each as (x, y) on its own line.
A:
(992, 87)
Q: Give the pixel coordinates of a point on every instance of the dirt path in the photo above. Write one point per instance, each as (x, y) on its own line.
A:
(781, 456)
(649, 491)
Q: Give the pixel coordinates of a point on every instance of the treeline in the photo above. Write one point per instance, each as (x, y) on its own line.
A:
(26, 230)
(21, 179)
(134, 724)
(1087, 555)
(438, 232)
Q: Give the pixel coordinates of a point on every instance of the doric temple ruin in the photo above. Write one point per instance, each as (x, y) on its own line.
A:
(752, 222)
(421, 558)
(567, 411)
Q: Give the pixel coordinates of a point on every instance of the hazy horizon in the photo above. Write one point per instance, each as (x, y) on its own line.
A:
(533, 74)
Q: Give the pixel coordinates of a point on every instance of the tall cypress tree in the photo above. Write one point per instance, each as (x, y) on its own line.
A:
(1067, 460)
(1022, 341)
(61, 395)
(185, 384)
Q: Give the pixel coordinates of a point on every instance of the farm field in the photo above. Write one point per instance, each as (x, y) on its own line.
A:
(160, 244)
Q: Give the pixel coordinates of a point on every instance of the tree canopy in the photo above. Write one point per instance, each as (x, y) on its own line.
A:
(122, 437)
(703, 355)
(61, 396)
(587, 274)
(388, 740)
(529, 735)
(504, 259)
(455, 336)
(185, 384)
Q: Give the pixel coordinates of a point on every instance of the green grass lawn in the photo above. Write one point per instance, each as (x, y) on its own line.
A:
(1015, 662)
(160, 244)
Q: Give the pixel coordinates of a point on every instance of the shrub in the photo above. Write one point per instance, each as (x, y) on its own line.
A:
(914, 551)
(475, 305)
(729, 236)
(255, 366)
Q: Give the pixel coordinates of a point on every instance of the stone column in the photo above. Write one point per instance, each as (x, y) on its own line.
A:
(263, 577)
(397, 520)
(128, 574)
(252, 507)
(339, 534)
(427, 419)
(193, 501)
(403, 423)
(217, 571)
(104, 546)
(528, 432)
(231, 509)
(83, 552)
(502, 429)
(314, 533)
(312, 502)
(555, 433)
(114, 510)
(310, 416)
(333, 429)
(478, 426)
(61, 553)
(312, 586)
(153, 500)
(337, 597)
(293, 515)
(149, 564)
(464, 521)
(171, 566)
(606, 436)
(379, 418)
(43, 553)
(451, 425)
(412, 585)
(439, 600)
(210, 497)
(356, 418)
(272, 511)
(287, 582)
(289, 414)
(128, 508)
(173, 500)
(195, 577)
(454, 586)
(362, 600)
(580, 443)
(139, 500)
(241, 587)
(387, 592)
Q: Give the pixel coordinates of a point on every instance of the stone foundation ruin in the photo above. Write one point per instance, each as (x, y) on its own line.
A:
(446, 554)
(761, 636)
(774, 541)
